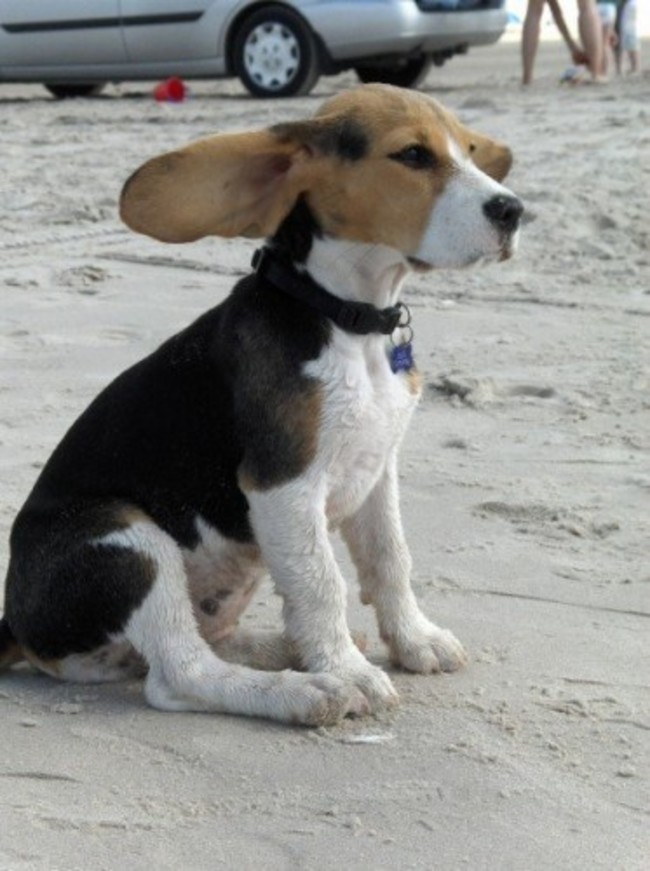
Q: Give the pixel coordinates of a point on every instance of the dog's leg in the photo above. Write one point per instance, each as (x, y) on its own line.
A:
(375, 538)
(291, 529)
(184, 672)
(267, 650)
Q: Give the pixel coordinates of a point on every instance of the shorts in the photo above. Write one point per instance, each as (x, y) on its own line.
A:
(629, 40)
(607, 14)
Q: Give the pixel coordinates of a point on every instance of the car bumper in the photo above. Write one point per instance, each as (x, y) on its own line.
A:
(393, 27)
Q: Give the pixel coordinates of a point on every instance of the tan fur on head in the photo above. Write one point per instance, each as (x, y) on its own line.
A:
(245, 184)
(386, 107)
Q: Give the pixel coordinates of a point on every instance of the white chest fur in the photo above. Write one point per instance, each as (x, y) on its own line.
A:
(365, 413)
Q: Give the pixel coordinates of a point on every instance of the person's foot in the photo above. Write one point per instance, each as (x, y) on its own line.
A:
(574, 75)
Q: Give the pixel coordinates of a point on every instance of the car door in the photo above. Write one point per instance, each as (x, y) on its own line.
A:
(158, 31)
(60, 33)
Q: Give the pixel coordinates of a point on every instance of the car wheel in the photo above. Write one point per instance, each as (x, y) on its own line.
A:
(275, 54)
(409, 74)
(62, 92)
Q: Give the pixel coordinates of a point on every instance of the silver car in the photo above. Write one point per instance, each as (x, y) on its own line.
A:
(277, 49)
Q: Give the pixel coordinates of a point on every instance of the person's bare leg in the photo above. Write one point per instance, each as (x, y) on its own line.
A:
(635, 61)
(618, 58)
(607, 57)
(590, 30)
(530, 38)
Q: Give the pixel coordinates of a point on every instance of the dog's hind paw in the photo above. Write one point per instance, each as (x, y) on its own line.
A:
(427, 649)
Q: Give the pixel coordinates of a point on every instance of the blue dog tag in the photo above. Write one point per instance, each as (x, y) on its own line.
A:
(401, 358)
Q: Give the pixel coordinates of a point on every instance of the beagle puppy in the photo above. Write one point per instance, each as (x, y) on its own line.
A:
(238, 446)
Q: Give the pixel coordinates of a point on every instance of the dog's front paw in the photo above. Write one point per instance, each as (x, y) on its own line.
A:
(320, 699)
(427, 648)
(372, 682)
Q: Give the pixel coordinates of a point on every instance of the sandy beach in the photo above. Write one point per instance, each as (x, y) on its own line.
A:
(525, 488)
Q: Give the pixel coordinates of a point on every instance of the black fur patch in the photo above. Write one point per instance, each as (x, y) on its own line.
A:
(168, 438)
(345, 138)
(64, 593)
(341, 137)
(273, 398)
(293, 238)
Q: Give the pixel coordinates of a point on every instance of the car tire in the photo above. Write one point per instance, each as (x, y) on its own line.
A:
(275, 54)
(64, 92)
(406, 75)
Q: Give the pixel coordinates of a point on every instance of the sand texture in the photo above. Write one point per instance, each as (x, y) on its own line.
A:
(526, 497)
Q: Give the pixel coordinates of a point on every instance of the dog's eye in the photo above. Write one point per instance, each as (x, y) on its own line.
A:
(415, 157)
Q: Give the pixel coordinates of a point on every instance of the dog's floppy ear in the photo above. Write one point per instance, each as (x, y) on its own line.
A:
(239, 184)
(492, 157)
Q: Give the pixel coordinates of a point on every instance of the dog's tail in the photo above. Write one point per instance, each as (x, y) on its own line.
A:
(10, 650)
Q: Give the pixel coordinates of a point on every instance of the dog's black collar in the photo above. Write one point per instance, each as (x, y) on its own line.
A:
(354, 317)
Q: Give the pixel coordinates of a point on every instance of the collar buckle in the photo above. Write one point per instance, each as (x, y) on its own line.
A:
(258, 258)
(391, 318)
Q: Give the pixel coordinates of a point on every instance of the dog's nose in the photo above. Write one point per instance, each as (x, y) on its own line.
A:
(504, 212)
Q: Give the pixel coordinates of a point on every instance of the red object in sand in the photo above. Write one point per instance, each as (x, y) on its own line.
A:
(170, 91)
